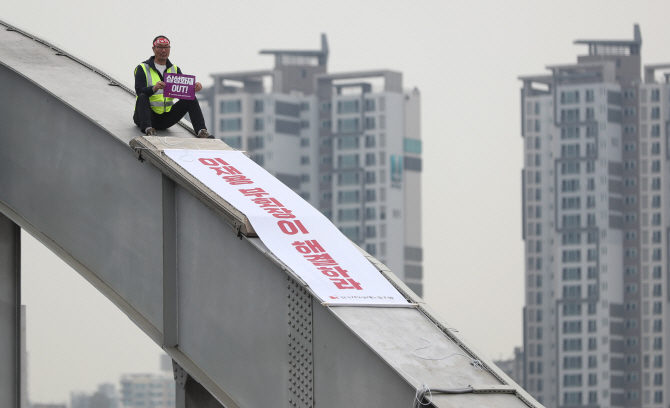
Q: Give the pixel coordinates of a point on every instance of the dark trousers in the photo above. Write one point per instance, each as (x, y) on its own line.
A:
(145, 117)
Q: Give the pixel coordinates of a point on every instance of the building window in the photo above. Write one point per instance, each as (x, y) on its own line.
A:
(258, 106)
(590, 95)
(348, 196)
(369, 105)
(259, 124)
(233, 141)
(412, 146)
(572, 274)
(350, 106)
(568, 97)
(571, 221)
(570, 168)
(258, 159)
(572, 309)
(569, 115)
(658, 343)
(658, 361)
(656, 272)
(231, 125)
(349, 125)
(352, 233)
(570, 132)
(572, 362)
(655, 148)
(631, 288)
(347, 142)
(348, 178)
(590, 114)
(629, 146)
(572, 327)
(572, 238)
(346, 161)
(572, 380)
(658, 326)
(234, 106)
(572, 345)
(658, 395)
(369, 123)
(657, 308)
(592, 326)
(570, 150)
(656, 255)
(348, 214)
(570, 185)
(655, 130)
(572, 292)
(591, 131)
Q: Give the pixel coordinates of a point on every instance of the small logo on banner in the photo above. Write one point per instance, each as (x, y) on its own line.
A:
(179, 86)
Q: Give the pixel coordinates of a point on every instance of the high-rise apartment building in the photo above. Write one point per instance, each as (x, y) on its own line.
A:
(348, 143)
(596, 229)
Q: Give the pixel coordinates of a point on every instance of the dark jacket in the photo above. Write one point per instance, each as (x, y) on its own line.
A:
(141, 78)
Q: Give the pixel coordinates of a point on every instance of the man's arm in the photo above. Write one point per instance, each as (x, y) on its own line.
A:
(141, 82)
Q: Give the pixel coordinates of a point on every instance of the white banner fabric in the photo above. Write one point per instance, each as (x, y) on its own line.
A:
(298, 234)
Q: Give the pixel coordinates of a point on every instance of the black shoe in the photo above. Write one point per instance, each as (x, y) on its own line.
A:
(203, 134)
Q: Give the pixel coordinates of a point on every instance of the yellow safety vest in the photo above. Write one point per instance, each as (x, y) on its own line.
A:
(159, 104)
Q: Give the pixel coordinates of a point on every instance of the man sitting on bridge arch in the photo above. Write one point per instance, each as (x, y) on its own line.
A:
(153, 110)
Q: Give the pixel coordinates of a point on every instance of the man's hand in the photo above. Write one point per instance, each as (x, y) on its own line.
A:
(198, 86)
(159, 85)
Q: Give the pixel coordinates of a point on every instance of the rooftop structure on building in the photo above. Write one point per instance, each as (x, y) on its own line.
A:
(596, 183)
(349, 143)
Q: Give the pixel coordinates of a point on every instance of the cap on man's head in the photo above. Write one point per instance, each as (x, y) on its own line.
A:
(161, 39)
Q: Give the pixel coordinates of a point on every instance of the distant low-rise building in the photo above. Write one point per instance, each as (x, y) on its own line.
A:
(513, 367)
(39, 405)
(147, 390)
(104, 397)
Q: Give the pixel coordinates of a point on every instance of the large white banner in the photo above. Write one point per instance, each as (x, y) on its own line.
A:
(303, 238)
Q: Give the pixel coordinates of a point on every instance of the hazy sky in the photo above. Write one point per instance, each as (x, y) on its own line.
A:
(464, 57)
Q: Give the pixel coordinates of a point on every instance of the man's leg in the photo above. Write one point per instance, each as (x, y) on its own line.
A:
(195, 113)
(142, 115)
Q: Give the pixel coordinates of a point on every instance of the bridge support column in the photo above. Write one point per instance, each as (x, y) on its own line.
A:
(10, 314)
(190, 393)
